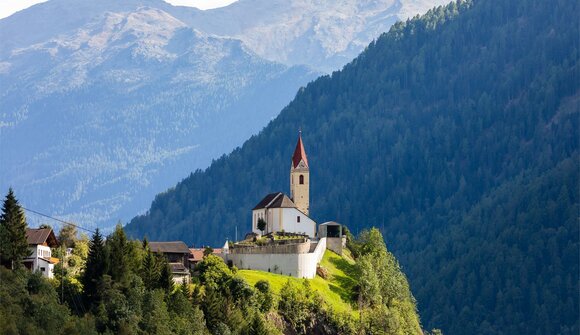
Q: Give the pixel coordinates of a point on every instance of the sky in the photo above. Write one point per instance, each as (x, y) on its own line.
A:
(9, 7)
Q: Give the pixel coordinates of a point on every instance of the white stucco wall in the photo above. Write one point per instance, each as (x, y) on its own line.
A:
(290, 222)
(38, 253)
(286, 219)
(295, 265)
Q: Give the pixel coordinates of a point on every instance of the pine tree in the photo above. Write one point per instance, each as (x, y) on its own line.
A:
(150, 268)
(165, 276)
(95, 268)
(13, 243)
(118, 251)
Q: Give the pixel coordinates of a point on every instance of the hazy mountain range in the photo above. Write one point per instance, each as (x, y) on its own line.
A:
(105, 103)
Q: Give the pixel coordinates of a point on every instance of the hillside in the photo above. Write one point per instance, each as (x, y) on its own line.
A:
(105, 103)
(120, 286)
(416, 135)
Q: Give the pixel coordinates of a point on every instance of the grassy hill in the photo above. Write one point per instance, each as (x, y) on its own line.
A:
(337, 290)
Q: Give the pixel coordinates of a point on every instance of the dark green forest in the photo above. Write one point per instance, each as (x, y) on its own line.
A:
(456, 133)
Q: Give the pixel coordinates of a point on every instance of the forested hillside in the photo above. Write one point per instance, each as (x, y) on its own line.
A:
(457, 134)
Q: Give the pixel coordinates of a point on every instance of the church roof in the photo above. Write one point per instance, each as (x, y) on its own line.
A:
(299, 153)
(275, 200)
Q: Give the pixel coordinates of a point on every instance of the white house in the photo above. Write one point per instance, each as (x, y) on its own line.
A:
(281, 214)
(39, 243)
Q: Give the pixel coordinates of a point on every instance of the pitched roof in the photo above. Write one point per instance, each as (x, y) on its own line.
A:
(196, 254)
(40, 236)
(275, 200)
(173, 247)
(299, 153)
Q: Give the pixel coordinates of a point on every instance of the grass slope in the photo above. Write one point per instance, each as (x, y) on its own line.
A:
(337, 291)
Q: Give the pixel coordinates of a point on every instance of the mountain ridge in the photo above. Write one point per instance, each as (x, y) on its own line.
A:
(435, 117)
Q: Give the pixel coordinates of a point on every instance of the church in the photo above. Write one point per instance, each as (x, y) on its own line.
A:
(289, 243)
(288, 214)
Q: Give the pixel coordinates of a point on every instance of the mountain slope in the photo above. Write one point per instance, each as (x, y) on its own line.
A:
(98, 120)
(105, 103)
(413, 136)
(322, 34)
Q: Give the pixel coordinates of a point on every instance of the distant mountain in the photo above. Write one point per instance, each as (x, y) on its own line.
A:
(98, 120)
(457, 134)
(322, 34)
(105, 103)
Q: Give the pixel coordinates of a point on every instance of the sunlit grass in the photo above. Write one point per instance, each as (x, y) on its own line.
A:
(337, 291)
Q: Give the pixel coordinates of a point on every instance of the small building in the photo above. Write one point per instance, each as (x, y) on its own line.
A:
(177, 254)
(281, 214)
(335, 240)
(195, 256)
(40, 241)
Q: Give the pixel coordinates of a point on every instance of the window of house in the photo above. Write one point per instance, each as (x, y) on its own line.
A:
(42, 269)
(301, 179)
(298, 219)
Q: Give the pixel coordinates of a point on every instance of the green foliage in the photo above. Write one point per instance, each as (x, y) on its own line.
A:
(13, 244)
(264, 297)
(95, 269)
(118, 249)
(298, 305)
(424, 127)
(67, 236)
(165, 276)
(213, 271)
(151, 269)
(261, 225)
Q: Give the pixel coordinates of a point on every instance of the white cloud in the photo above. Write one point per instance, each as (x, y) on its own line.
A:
(9, 7)
(201, 4)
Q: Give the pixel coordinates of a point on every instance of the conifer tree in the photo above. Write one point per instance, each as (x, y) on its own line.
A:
(165, 276)
(95, 268)
(150, 268)
(118, 251)
(13, 243)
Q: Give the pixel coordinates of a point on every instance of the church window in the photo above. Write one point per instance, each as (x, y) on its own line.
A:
(301, 179)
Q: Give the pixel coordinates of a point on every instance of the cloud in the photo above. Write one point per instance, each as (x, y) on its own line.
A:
(9, 7)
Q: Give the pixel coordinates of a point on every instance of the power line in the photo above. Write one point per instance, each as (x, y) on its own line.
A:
(57, 219)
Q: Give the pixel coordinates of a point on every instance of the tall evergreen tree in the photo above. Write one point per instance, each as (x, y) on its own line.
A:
(96, 267)
(13, 244)
(165, 276)
(118, 248)
(150, 268)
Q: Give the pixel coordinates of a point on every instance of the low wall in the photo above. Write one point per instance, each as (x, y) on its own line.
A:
(300, 265)
(282, 248)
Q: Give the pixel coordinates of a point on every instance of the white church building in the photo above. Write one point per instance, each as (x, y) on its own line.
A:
(281, 214)
(300, 255)
(288, 214)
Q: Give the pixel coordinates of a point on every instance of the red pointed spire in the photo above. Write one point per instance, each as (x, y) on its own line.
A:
(299, 152)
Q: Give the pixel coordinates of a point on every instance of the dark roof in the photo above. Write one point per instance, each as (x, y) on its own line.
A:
(40, 236)
(174, 247)
(299, 153)
(275, 200)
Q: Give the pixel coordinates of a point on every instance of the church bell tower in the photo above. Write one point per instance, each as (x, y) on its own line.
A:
(300, 178)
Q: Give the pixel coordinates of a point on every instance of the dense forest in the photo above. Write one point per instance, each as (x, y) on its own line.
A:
(456, 133)
(115, 285)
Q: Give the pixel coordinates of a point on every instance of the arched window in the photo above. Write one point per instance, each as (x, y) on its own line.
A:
(301, 179)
